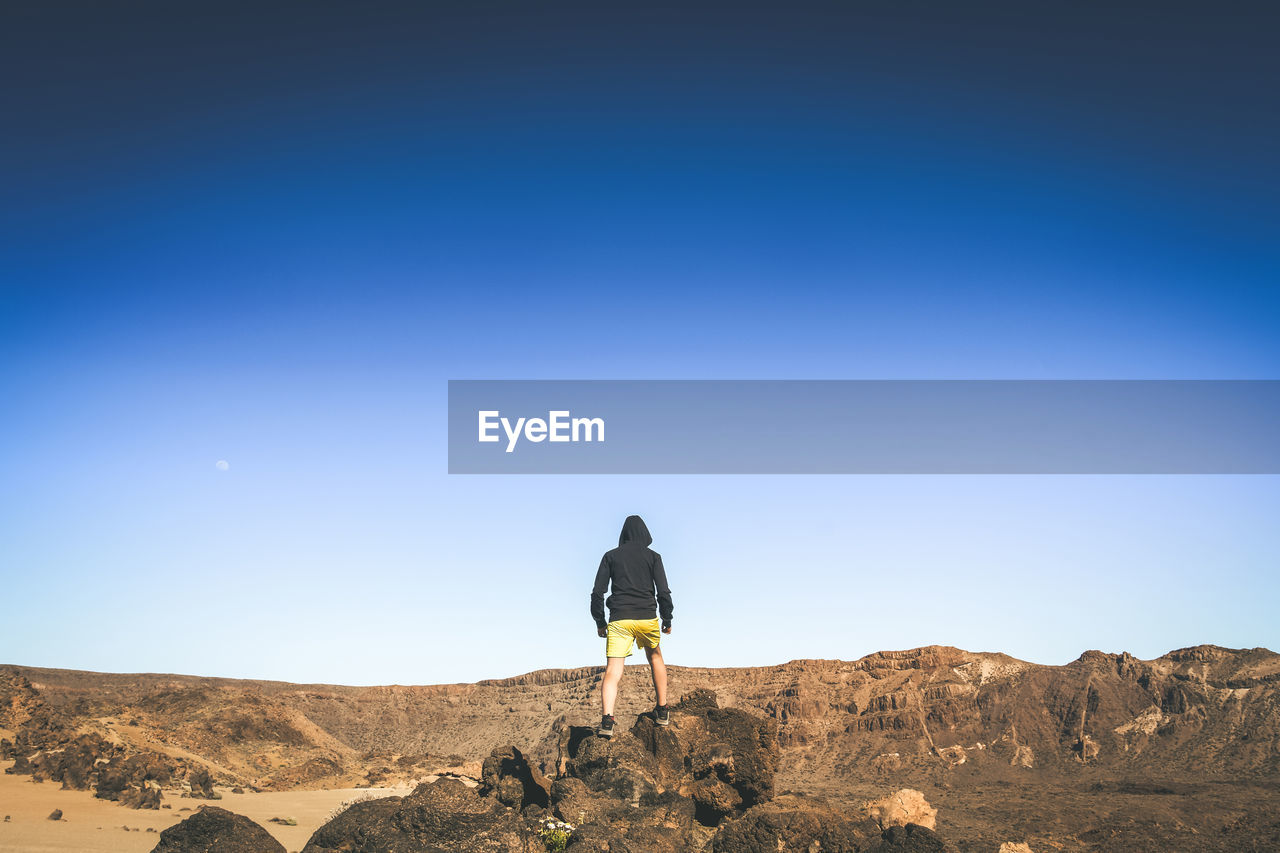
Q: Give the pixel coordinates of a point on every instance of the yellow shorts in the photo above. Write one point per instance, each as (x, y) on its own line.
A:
(645, 633)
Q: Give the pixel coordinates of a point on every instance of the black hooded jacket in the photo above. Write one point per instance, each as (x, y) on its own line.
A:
(639, 581)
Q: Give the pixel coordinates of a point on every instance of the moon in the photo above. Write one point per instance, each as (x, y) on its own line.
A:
(222, 465)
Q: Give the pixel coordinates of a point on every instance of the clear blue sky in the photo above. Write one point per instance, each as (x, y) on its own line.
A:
(270, 236)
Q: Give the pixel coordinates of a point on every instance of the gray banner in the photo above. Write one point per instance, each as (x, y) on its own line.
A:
(864, 427)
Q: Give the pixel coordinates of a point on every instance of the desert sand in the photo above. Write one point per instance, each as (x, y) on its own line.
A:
(91, 825)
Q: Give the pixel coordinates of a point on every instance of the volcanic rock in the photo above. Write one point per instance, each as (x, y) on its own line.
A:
(438, 817)
(215, 830)
(508, 775)
(134, 781)
(201, 784)
(1011, 749)
(795, 822)
(911, 839)
(73, 763)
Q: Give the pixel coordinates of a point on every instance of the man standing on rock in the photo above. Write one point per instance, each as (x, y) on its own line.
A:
(640, 592)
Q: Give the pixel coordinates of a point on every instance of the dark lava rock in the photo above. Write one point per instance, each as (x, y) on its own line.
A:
(912, 838)
(619, 767)
(134, 781)
(355, 826)
(215, 830)
(575, 803)
(56, 814)
(201, 784)
(444, 816)
(507, 774)
(704, 783)
(662, 823)
(72, 763)
(660, 789)
(88, 761)
(721, 748)
(723, 759)
(794, 822)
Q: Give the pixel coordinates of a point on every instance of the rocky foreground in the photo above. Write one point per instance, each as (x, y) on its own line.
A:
(704, 783)
(1105, 753)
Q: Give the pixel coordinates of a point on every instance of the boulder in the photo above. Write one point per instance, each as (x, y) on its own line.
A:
(444, 816)
(201, 784)
(723, 759)
(795, 822)
(72, 763)
(575, 803)
(706, 744)
(134, 781)
(664, 788)
(903, 807)
(215, 830)
(508, 775)
(620, 767)
(661, 823)
(911, 839)
(354, 825)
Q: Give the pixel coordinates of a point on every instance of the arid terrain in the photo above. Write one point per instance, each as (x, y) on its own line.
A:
(1105, 753)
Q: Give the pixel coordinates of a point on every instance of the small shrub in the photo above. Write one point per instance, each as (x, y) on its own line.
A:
(555, 834)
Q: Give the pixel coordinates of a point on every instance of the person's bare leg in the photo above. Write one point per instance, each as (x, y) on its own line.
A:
(658, 669)
(609, 684)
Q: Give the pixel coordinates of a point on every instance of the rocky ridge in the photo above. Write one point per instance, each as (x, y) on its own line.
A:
(703, 783)
(1111, 746)
(1201, 710)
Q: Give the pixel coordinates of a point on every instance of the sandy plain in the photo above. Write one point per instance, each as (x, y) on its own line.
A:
(90, 825)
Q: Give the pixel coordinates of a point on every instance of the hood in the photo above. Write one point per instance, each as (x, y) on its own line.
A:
(633, 530)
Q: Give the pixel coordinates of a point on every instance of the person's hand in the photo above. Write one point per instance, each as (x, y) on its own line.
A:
(666, 629)
(602, 632)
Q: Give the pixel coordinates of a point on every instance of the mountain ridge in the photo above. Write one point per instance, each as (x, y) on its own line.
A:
(921, 704)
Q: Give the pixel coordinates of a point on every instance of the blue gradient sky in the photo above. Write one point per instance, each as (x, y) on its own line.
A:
(271, 236)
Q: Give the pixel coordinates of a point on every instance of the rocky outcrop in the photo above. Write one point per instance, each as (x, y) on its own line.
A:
(72, 763)
(721, 760)
(795, 822)
(957, 724)
(706, 782)
(507, 774)
(201, 783)
(88, 762)
(444, 815)
(1200, 710)
(215, 830)
(135, 780)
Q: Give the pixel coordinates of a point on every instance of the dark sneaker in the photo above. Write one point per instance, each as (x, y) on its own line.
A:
(662, 715)
(606, 726)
